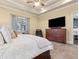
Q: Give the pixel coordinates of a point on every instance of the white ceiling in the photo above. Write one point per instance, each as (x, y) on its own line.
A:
(48, 5)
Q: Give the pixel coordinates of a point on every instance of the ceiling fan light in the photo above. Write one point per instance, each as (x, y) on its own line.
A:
(37, 3)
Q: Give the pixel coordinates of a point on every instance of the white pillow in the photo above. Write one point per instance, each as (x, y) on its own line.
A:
(6, 34)
(1, 39)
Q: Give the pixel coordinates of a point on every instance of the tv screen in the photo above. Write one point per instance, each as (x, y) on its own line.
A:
(57, 22)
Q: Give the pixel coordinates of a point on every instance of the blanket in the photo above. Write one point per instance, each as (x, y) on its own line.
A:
(23, 47)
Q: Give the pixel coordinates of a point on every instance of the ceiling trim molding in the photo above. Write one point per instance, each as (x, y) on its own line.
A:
(61, 7)
(12, 5)
(15, 9)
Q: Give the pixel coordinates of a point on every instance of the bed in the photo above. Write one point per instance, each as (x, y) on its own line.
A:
(45, 55)
(25, 46)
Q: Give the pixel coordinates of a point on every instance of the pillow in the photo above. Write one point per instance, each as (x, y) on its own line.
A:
(13, 34)
(1, 39)
(6, 34)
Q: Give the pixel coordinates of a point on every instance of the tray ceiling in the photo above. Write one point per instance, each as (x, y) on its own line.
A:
(45, 5)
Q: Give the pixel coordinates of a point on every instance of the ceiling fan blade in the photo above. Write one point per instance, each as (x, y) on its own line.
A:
(33, 6)
(42, 4)
(29, 2)
(36, 0)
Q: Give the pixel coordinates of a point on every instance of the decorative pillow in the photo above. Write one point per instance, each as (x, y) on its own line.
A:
(13, 34)
(6, 34)
(1, 39)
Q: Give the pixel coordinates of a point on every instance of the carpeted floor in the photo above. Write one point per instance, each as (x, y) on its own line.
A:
(64, 51)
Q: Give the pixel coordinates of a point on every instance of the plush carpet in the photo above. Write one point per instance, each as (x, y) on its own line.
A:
(64, 51)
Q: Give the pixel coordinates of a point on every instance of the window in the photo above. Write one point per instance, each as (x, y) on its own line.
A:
(75, 24)
(20, 24)
(75, 20)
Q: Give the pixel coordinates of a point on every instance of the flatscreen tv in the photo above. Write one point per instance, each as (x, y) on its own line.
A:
(57, 22)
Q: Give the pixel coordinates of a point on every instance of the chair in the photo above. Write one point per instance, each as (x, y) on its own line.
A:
(39, 32)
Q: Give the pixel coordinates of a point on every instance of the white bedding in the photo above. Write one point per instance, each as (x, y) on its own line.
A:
(24, 47)
(41, 42)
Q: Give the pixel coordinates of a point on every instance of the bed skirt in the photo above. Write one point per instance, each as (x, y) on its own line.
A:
(45, 55)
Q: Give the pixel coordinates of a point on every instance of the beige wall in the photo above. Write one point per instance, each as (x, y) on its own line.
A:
(67, 12)
(5, 18)
(41, 21)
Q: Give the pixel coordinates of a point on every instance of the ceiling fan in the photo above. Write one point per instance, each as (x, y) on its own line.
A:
(36, 3)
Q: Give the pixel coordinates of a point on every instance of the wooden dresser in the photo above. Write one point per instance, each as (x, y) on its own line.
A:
(56, 34)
